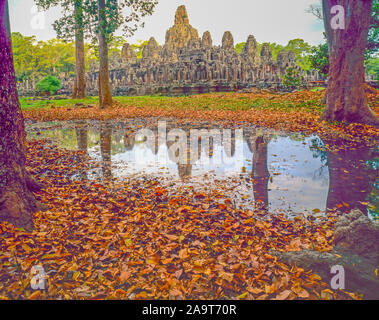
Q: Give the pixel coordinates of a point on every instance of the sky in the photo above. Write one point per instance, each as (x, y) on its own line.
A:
(269, 20)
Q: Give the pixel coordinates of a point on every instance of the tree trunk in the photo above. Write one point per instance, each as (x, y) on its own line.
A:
(105, 95)
(17, 203)
(80, 71)
(346, 98)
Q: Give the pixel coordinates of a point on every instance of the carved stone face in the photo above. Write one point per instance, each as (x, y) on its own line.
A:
(228, 41)
(181, 16)
(151, 50)
(128, 55)
(207, 40)
(181, 33)
(266, 54)
(282, 59)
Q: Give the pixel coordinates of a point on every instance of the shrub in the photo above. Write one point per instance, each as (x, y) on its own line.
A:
(49, 85)
(319, 59)
(292, 78)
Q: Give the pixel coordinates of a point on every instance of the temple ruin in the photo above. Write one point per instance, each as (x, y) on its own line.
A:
(188, 64)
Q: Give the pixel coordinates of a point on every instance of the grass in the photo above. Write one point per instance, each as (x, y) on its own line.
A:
(215, 101)
(29, 103)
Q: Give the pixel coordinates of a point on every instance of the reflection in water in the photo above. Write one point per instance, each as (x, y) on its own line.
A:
(350, 177)
(105, 148)
(129, 140)
(288, 171)
(82, 138)
(260, 171)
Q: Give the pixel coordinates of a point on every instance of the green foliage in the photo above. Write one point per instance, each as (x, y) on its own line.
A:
(319, 59)
(372, 66)
(115, 44)
(373, 33)
(301, 49)
(74, 16)
(35, 59)
(292, 78)
(239, 47)
(127, 14)
(49, 84)
(138, 47)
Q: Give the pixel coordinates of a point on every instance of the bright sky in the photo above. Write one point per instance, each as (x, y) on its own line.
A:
(269, 20)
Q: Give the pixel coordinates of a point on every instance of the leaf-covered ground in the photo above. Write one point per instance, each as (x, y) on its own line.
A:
(134, 240)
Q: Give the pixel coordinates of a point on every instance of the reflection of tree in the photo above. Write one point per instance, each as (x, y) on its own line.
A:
(184, 170)
(260, 171)
(129, 140)
(82, 138)
(257, 143)
(319, 151)
(229, 142)
(350, 179)
(105, 147)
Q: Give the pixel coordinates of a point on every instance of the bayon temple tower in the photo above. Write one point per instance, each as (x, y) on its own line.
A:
(188, 63)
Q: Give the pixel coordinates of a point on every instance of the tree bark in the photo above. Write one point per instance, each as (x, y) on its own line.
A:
(80, 71)
(346, 99)
(17, 202)
(105, 95)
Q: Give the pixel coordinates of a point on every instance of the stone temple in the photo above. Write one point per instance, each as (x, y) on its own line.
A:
(188, 64)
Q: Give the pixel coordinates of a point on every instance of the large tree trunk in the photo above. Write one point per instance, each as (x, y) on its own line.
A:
(80, 71)
(346, 98)
(105, 95)
(17, 203)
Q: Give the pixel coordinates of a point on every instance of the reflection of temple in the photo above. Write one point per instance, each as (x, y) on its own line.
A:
(350, 178)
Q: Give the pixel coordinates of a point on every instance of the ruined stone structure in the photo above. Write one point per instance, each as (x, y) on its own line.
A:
(188, 64)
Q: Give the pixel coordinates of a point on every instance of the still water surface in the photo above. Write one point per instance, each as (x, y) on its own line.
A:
(278, 170)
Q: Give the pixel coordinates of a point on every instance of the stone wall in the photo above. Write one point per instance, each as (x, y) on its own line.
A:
(188, 64)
